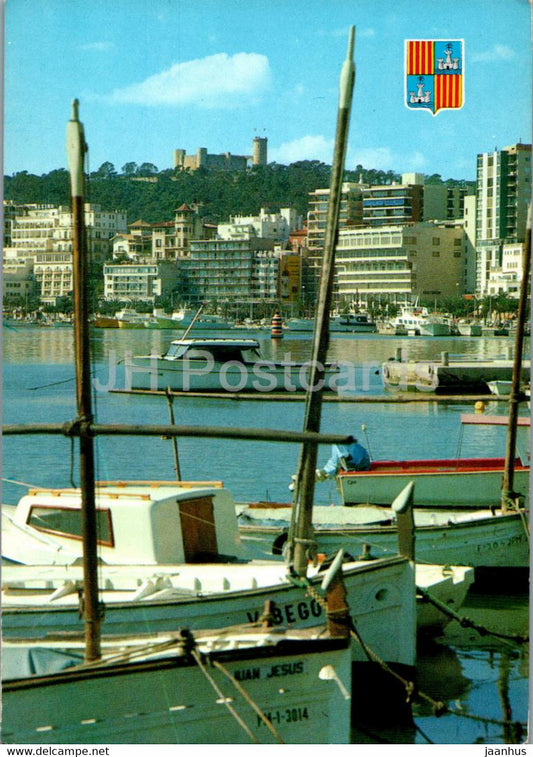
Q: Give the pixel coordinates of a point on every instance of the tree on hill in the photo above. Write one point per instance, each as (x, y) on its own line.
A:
(217, 193)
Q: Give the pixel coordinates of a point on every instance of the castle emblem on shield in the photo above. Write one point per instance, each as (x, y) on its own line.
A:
(434, 74)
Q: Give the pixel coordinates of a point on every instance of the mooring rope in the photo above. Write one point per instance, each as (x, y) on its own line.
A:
(242, 691)
(222, 696)
(465, 622)
(439, 708)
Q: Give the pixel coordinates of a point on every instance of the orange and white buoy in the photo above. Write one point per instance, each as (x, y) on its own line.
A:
(276, 331)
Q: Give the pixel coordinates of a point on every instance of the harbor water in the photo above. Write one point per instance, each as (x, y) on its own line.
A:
(484, 679)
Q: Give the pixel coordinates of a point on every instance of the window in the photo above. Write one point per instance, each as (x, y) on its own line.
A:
(66, 521)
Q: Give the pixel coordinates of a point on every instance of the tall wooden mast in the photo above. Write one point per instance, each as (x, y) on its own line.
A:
(300, 543)
(76, 149)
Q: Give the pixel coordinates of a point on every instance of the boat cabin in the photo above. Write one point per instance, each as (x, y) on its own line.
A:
(141, 523)
(221, 350)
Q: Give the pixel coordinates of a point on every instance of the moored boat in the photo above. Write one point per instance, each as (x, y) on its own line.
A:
(189, 688)
(463, 483)
(105, 322)
(352, 323)
(300, 324)
(469, 328)
(202, 321)
(434, 325)
(129, 318)
(479, 538)
(172, 551)
(220, 365)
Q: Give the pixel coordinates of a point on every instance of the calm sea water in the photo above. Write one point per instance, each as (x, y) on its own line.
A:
(478, 676)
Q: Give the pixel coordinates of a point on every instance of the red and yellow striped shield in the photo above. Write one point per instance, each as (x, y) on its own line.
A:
(434, 74)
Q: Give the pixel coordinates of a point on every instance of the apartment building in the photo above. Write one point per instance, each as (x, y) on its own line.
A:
(42, 234)
(278, 226)
(503, 196)
(144, 280)
(18, 282)
(384, 205)
(136, 245)
(391, 263)
(235, 270)
(170, 239)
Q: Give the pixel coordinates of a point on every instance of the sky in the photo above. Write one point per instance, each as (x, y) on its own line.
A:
(155, 75)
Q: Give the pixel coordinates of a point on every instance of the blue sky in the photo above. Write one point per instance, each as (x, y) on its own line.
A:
(155, 75)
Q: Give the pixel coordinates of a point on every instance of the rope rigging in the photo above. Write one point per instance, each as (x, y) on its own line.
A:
(412, 692)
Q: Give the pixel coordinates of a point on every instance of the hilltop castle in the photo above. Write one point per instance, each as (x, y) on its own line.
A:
(224, 162)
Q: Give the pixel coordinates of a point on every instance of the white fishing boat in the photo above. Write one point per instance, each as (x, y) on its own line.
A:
(450, 483)
(220, 365)
(500, 388)
(172, 553)
(202, 322)
(128, 318)
(435, 325)
(469, 328)
(134, 524)
(349, 323)
(300, 324)
(240, 685)
(479, 538)
(414, 320)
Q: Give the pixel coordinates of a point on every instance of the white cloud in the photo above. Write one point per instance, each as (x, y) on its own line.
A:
(310, 147)
(496, 52)
(379, 158)
(384, 159)
(217, 81)
(317, 147)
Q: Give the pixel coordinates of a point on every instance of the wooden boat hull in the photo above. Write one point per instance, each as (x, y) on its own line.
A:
(105, 322)
(477, 539)
(380, 594)
(435, 329)
(469, 329)
(303, 687)
(466, 483)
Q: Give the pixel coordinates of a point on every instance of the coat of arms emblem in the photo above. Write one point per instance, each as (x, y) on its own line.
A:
(434, 74)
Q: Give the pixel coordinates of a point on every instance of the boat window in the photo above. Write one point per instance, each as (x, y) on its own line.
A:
(175, 350)
(66, 521)
(225, 354)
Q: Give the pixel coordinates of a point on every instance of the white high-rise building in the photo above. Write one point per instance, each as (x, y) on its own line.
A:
(503, 196)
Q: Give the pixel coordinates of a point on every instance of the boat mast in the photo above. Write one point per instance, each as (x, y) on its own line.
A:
(514, 398)
(301, 546)
(76, 149)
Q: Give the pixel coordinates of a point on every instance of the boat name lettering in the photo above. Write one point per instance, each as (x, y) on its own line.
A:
(290, 715)
(286, 669)
(248, 674)
(289, 613)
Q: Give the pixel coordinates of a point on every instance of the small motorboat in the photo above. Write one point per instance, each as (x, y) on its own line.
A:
(220, 365)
